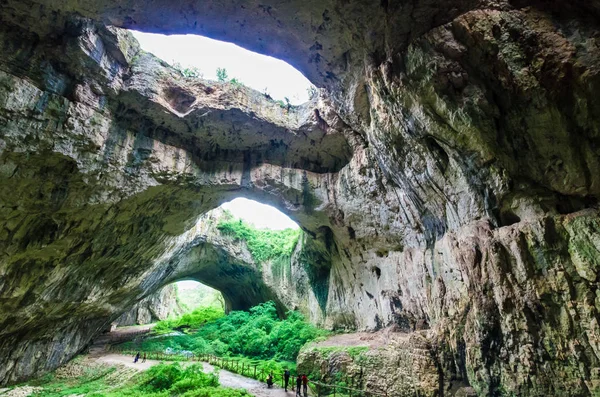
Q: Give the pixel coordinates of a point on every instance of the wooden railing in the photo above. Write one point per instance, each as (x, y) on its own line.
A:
(252, 370)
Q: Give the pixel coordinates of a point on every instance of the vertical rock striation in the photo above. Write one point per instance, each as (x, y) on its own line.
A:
(158, 306)
(446, 179)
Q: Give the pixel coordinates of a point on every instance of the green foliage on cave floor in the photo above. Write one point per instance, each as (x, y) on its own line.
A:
(194, 319)
(264, 244)
(161, 380)
(190, 299)
(256, 334)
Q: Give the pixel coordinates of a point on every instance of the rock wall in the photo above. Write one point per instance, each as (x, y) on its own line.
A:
(156, 307)
(385, 363)
(446, 178)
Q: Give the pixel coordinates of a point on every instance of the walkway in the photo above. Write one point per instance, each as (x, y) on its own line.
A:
(226, 378)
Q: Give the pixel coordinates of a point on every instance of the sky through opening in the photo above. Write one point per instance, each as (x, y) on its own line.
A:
(262, 216)
(261, 72)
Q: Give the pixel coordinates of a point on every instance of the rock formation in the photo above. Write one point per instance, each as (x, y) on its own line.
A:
(158, 306)
(446, 178)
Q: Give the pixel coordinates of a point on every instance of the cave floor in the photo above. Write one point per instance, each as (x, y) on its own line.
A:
(371, 340)
(226, 378)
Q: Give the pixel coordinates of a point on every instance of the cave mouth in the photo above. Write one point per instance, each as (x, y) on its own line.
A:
(202, 57)
(233, 247)
(192, 295)
(261, 216)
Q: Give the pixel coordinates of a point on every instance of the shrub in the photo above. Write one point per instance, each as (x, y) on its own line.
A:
(162, 376)
(190, 72)
(162, 380)
(194, 319)
(222, 74)
(258, 334)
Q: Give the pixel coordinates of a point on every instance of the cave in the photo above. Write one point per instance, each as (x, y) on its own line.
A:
(445, 177)
(171, 302)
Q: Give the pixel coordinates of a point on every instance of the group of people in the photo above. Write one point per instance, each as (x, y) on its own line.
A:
(301, 382)
(137, 358)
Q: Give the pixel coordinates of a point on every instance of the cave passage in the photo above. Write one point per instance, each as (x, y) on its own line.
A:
(201, 57)
(233, 248)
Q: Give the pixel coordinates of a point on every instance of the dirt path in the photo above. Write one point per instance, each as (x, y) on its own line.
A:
(226, 378)
(369, 339)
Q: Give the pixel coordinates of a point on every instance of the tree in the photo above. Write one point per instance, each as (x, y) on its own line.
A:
(222, 74)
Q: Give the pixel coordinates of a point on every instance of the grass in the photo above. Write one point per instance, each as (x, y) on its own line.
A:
(264, 244)
(353, 351)
(161, 380)
(93, 379)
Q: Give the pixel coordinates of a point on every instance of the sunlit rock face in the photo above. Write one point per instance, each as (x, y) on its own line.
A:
(446, 179)
(159, 306)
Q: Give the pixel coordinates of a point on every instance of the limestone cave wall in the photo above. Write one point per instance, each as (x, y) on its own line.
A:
(158, 306)
(446, 178)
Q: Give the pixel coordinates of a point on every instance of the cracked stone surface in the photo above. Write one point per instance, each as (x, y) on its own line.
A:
(446, 178)
(159, 306)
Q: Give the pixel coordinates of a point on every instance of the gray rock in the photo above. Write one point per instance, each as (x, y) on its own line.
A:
(446, 178)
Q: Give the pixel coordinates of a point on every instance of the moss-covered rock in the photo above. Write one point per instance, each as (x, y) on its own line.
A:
(446, 178)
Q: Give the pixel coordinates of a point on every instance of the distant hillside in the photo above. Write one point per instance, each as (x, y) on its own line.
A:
(200, 296)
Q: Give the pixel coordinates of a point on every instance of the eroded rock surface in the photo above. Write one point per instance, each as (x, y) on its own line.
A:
(386, 363)
(446, 179)
(156, 307)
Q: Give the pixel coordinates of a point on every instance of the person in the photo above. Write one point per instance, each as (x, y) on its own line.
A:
(305, 385)
(144, 358)
(137, 357)
(286, 378)
(298, 385)
(270, 380)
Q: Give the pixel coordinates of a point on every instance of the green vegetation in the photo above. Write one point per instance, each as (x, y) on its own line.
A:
(191, 72)
(340, 377)
(253, 343)
(222, 75)
(201, 296)
(285, 105)
(236, 82)
(162, 380)
(257, 334)
(263, 244)
(194, 319)
(91, 379)
(353, 351)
